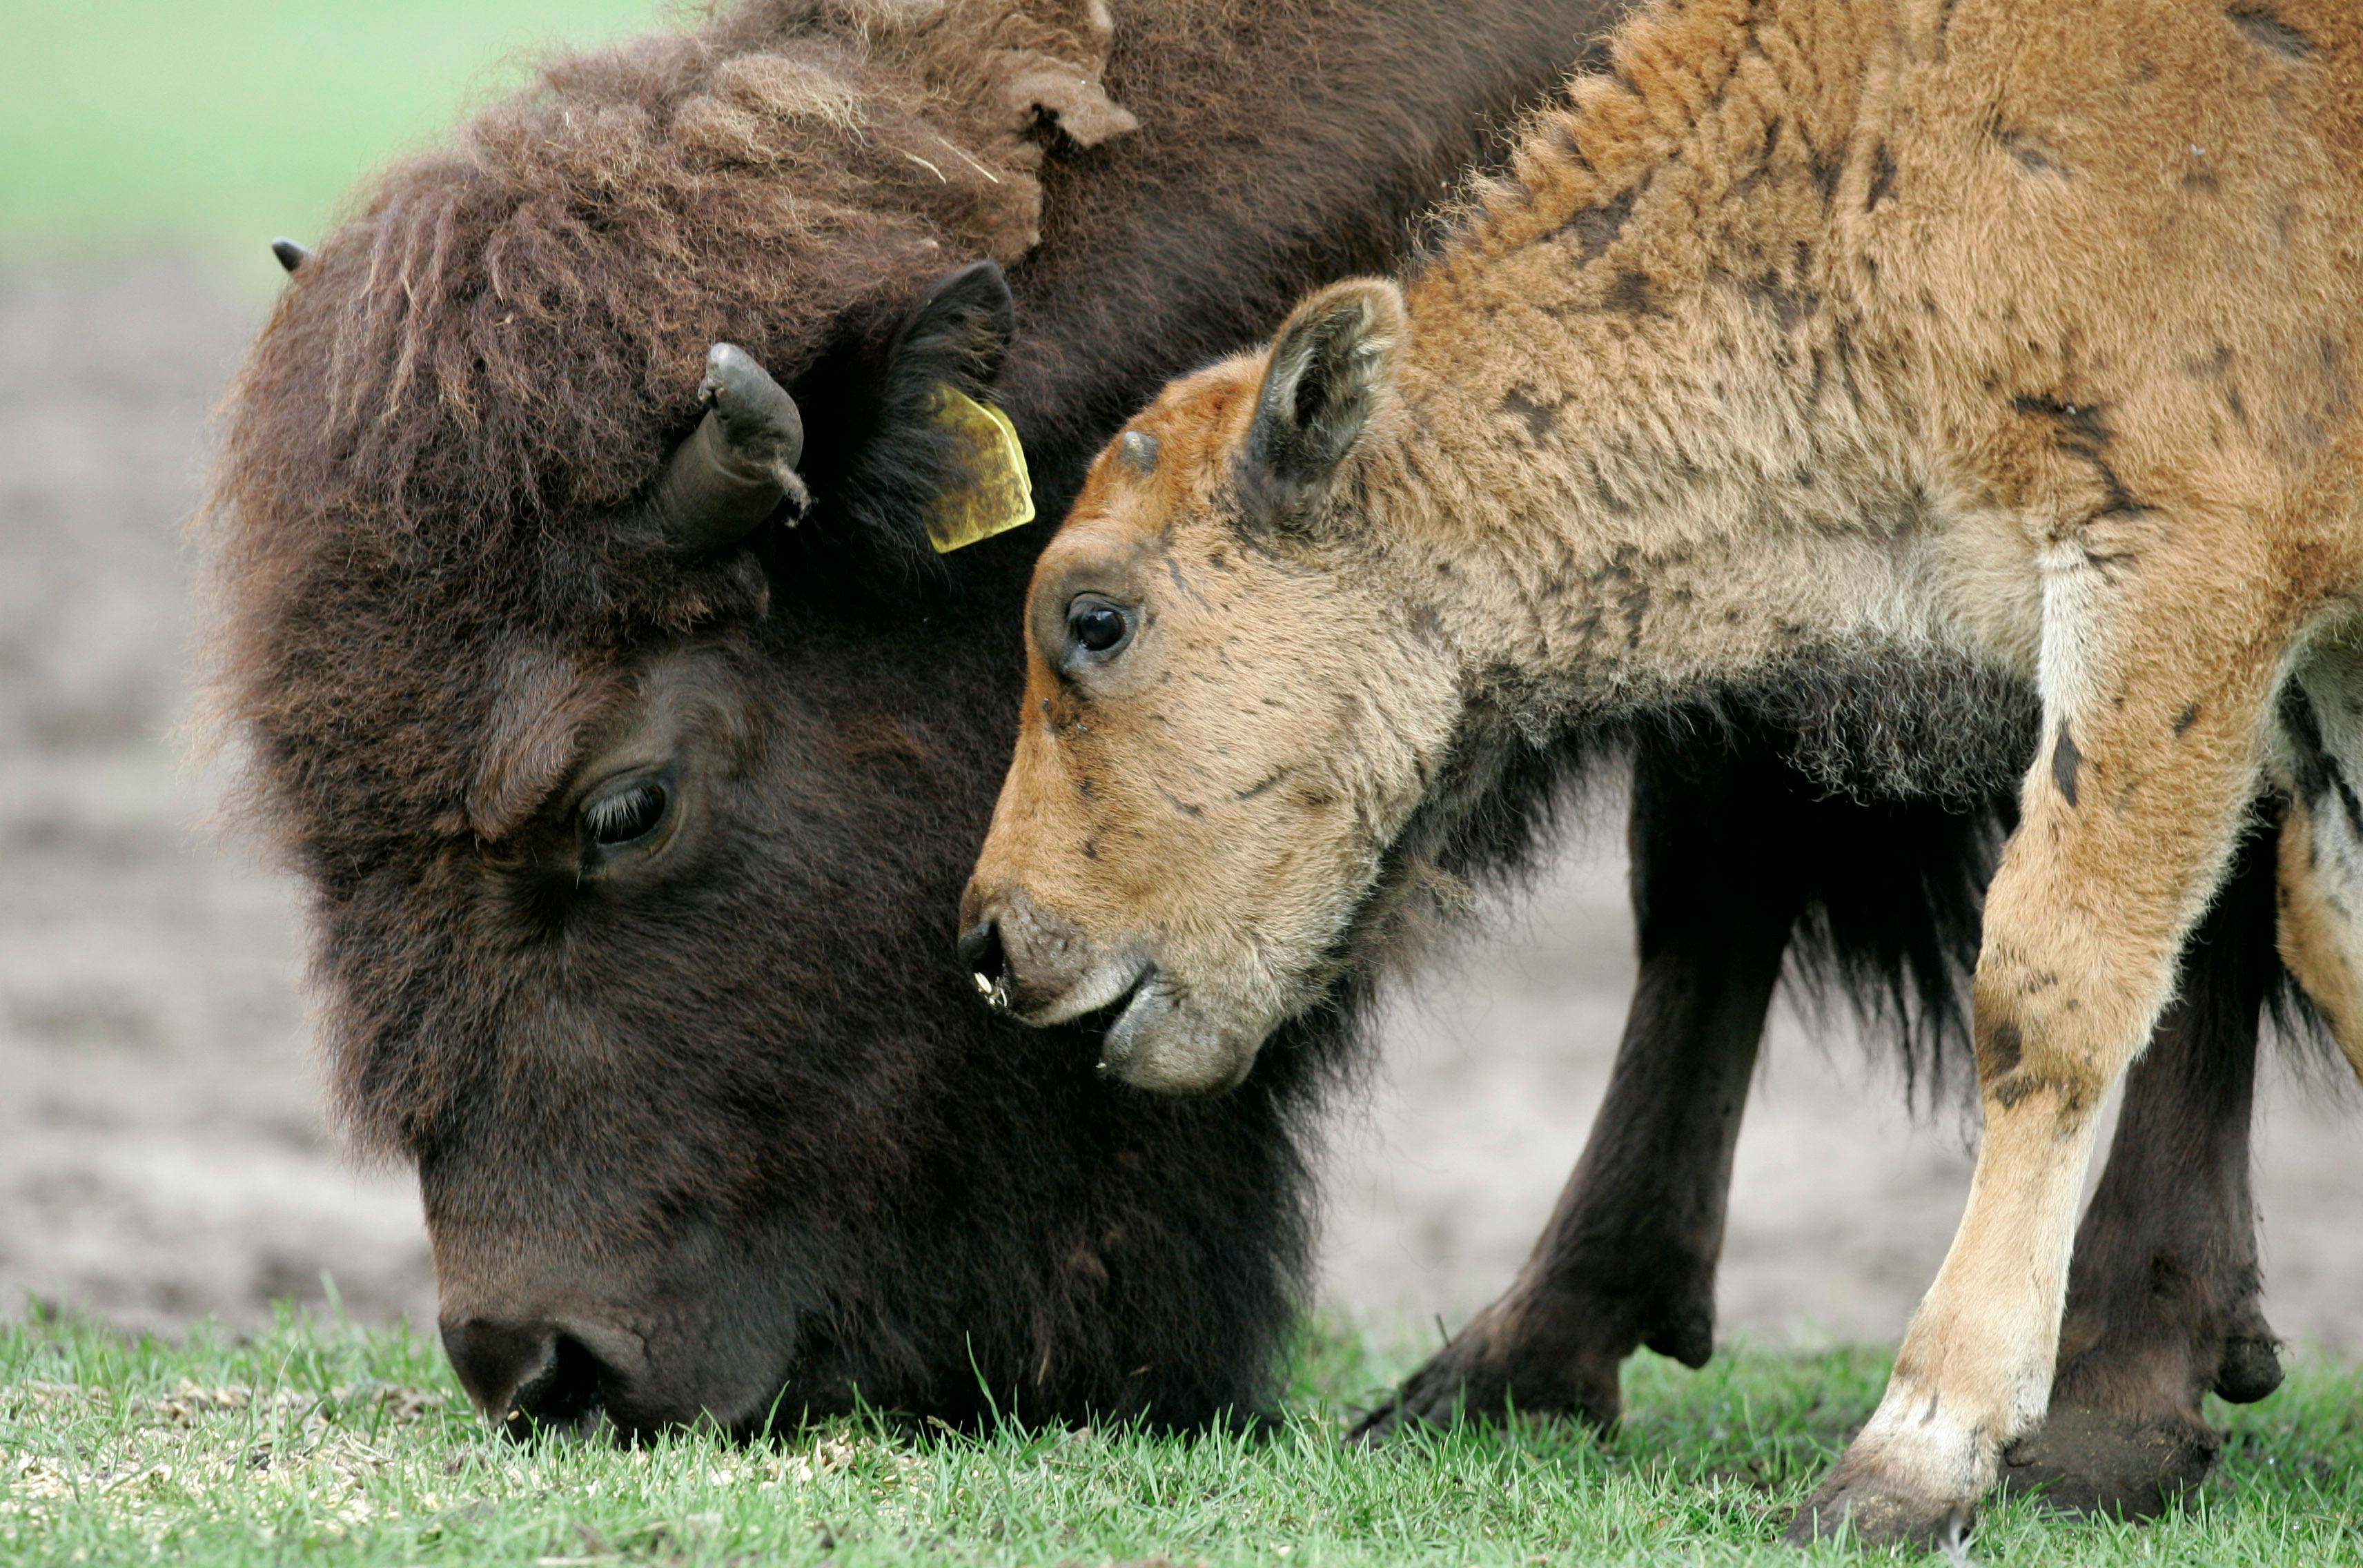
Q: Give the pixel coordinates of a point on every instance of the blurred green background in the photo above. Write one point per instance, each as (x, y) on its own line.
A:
(210, 126)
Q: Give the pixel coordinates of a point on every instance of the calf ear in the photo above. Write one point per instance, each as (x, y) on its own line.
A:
(1334, 359)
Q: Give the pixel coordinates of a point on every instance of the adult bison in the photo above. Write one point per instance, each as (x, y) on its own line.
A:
(632, 836)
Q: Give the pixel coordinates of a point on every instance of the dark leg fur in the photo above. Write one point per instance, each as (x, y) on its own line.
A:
(1629, 1255)
(1726, 856)
(2162, 1296)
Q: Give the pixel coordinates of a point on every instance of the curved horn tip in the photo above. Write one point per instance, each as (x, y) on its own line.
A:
(738, 464)
(755, 411)
(291, 255)
(734, 376)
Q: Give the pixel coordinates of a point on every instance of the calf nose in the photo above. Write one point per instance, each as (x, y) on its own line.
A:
(981, 954)
(1023, 957)
(527, 1377)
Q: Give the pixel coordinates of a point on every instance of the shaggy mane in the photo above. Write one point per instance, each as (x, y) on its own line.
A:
(435, 440)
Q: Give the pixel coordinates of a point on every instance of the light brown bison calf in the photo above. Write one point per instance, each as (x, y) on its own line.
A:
(1987, 328)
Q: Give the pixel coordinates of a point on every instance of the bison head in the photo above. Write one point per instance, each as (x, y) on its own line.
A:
(630, 739)
(1229, 718)
(550, 1005)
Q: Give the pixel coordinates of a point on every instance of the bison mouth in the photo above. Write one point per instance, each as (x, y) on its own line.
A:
(530, 1382)
(568, 1398)
(1121, 1021)
(1161, 1042)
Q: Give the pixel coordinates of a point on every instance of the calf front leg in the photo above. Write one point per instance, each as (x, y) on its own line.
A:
(2162, 1296)
(2156, 680)
(1628, 1257)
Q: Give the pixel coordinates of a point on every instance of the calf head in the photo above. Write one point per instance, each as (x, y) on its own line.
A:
(1230, 717)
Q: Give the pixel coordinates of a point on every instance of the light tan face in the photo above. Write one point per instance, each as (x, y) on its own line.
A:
(1226, 721)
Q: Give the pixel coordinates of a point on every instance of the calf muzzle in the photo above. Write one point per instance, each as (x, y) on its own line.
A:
(1030, 962)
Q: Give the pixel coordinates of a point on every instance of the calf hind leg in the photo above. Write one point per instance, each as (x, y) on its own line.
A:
(2162, 1291)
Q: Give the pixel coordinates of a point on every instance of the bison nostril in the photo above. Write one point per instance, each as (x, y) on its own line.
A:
(988, 964)
(569, 1396)
(529, 1379)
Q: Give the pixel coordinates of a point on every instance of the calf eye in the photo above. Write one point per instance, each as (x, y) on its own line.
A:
(619, 816)
(1097, 625)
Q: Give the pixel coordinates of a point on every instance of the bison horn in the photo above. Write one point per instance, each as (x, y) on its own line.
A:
(291, 255)
(738, 465)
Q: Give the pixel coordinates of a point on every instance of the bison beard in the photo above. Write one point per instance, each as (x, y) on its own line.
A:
(732, 1138)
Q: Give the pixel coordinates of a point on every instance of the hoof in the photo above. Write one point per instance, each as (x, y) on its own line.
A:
(1441, 1394)
(2251, 1369)
(1435, 1396)
(1479, 1380)
(2089, 1461)
(1377, 1425)
(1878, 1511)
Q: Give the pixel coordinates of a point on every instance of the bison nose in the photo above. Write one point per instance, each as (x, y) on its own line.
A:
(527, 1377)
(987, 963)
(1029, 961)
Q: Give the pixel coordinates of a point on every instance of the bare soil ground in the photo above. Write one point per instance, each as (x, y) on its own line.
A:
(163, 1158)
(162, 1152)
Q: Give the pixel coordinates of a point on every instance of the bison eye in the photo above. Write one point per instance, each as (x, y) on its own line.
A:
(624, 814)
(1097, 625)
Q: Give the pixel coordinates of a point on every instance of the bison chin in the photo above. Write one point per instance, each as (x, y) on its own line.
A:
(1165, 1042)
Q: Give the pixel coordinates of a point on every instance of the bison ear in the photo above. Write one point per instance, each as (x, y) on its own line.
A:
(958, 335)
(896, 443)
(1332, 360)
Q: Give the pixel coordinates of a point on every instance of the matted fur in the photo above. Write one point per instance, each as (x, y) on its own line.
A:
(736, 1128)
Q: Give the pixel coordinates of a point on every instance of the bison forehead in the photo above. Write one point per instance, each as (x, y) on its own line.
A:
(431, 447)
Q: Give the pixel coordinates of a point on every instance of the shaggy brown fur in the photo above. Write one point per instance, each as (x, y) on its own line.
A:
(511, 332)
(1991, 331)
(706, 1122)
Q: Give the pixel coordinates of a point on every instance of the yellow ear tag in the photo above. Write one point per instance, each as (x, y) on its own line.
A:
(998, 496)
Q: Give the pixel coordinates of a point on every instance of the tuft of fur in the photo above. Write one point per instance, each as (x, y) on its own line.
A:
(1896, 723)
(437, 438)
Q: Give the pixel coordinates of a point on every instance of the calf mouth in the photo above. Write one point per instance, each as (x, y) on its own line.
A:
(1160, 1042)
(1123, 1019)
(1102, 987)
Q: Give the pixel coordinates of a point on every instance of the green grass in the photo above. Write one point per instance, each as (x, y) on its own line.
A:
(213, 125)
(321, 1443)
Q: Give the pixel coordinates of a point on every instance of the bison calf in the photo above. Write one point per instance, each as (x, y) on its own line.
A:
(2002, 333)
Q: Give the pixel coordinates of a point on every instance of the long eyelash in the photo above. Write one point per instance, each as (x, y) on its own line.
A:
(620, 811)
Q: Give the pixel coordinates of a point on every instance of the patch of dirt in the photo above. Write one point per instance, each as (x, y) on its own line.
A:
(163, 1158)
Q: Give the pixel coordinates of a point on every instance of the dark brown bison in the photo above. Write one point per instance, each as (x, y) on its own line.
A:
(635, 781)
